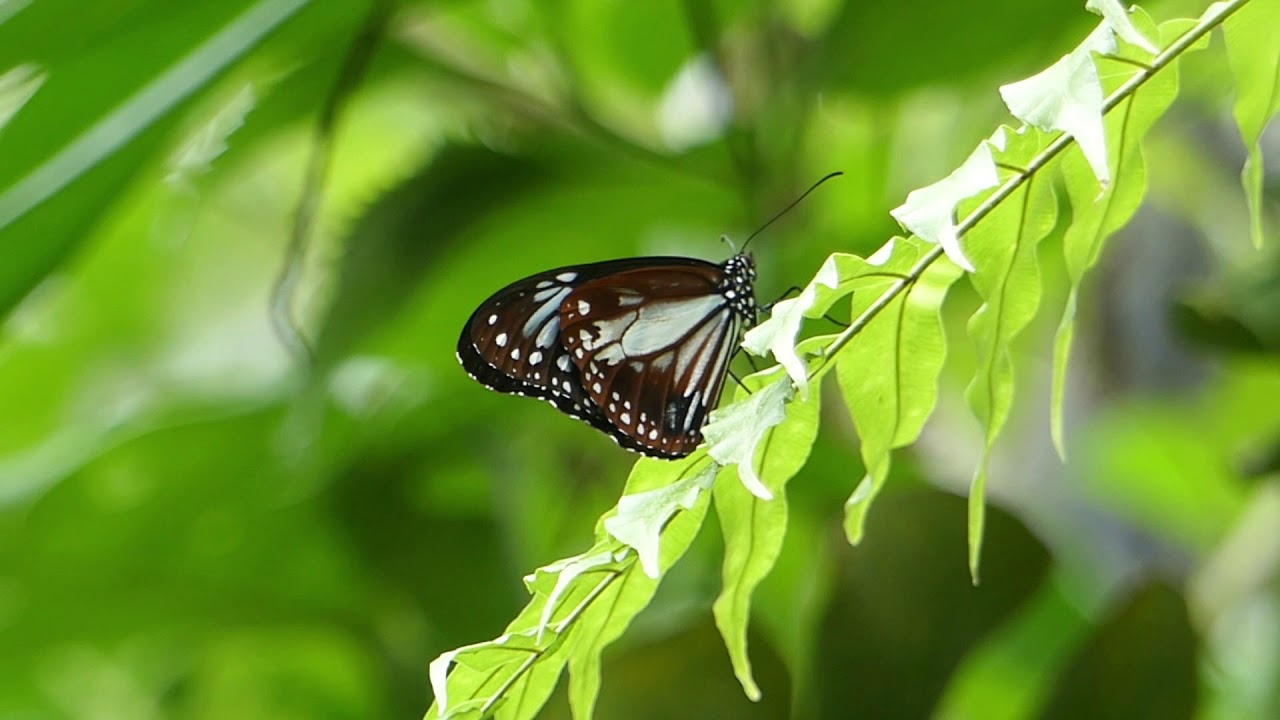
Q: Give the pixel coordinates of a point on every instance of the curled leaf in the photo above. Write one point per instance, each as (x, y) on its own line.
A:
(641, 517)
(734, 432)
(930, 211)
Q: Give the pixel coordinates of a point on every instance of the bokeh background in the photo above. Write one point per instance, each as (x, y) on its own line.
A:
(195, 525)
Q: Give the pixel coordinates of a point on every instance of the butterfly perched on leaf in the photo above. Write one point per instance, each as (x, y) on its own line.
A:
(639, 348)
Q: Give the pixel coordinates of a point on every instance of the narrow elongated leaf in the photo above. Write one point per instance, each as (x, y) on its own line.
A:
(1008, 279)
(1254, 56)
(1095, 217)
(754, 528)
(889, 374)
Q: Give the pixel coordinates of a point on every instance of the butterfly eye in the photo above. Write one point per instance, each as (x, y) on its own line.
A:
(638, 348)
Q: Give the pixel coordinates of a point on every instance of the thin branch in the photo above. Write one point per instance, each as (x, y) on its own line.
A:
(1062, 142)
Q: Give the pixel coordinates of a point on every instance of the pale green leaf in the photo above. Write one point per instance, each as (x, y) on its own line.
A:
(566, 571)
(889, 375)
(1068, 97)
(1254, 55)
(1008, 280)
(475, 670)
(610, 612)
(840, 275)
(735, 432)
(1116, 17)
(1094, 216)
(641, 517)
(930, 212)
(754, 529)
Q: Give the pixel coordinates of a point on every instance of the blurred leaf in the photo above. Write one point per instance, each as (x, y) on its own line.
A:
(905, 615)
(386, 256)
(1140, 664)
(1255, 62)
(59, 175)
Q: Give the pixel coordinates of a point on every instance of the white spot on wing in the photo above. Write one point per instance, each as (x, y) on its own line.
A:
(567, 276)
(536, 358)
(493, 318)
(501, 339)
(626, 418)
(584, 307)
(515, 353)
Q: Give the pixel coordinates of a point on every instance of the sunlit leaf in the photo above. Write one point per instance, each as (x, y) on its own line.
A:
(1008, 279)
(930, 212)
(16, 88)
(735, 432)
(840, 275)
(609, 614)
(754, 529)
(1115, 15)
(1068, 97)
(889, 374)
(641, 517)
(1094, 216)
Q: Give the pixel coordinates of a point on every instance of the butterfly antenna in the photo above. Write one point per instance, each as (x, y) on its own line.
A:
(788, 208)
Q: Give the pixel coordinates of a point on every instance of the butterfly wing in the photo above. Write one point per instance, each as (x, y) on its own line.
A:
(652, 346)
(512, 342)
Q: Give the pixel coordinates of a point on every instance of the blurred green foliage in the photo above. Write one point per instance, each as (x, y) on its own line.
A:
(193, 526)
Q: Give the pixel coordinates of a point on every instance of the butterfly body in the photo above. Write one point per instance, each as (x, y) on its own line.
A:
(638, 348)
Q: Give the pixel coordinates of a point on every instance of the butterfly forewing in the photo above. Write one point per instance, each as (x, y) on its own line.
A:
(653, 346)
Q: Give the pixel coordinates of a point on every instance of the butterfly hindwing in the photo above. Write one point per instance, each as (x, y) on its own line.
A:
(653, 346)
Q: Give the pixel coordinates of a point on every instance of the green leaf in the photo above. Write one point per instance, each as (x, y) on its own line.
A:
(754, 529)
(1008, 279)
(736, 432)
(840, 275)
(1116, 17)
(1254, 57)
(642, 516)
(1096, 216)
(930, 212)
(1068, 97)
(889, 374)
(579, 606)
(608, 616)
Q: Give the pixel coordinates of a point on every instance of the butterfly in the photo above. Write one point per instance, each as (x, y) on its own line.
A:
(639, 348)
